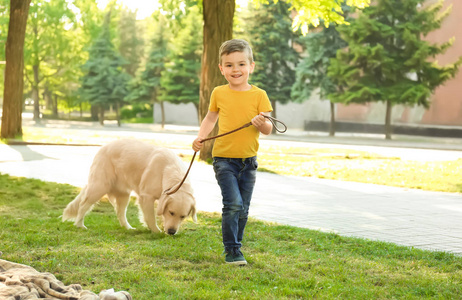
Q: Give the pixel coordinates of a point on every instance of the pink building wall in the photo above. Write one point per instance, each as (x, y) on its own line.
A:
(446, 108)
(446, 102)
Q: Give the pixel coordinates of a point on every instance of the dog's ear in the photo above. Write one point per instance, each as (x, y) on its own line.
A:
(193, 213)
(163, 201)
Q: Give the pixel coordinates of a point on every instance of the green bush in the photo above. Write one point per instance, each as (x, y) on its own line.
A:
(138, 110)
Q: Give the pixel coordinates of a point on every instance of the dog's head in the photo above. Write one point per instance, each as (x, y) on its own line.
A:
(175, 208)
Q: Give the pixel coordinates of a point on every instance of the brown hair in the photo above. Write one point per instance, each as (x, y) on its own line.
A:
(236, 45)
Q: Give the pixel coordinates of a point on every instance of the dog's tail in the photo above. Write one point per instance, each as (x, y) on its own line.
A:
(71, 210)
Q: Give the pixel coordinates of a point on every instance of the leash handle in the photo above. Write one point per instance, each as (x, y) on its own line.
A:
(274, 121)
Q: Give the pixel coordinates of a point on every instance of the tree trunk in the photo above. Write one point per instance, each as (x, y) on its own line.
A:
(388, 129)
(117, 108)
(36, 97)
(273, 114)
(218, 27)
(54, 104)
(35, 83)
(162, 112)
(14, 70)
(94, 111)
(101, 115)
(332, 119)
(48, 97)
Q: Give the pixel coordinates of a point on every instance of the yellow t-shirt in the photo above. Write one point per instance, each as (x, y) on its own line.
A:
(236, 108)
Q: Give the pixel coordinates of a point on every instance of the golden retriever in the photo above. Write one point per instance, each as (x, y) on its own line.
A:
(127, 165)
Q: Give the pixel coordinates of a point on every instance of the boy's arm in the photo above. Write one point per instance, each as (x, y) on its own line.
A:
(206, 127)
(262, 124)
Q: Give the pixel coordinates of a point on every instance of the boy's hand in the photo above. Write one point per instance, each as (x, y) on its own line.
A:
(197, 144)
(258, 121)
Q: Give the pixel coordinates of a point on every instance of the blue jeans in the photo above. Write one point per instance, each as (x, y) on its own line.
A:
(236, 178)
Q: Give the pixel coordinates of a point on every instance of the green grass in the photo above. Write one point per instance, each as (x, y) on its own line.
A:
(284, 262)
(145, 120)
(442, 176)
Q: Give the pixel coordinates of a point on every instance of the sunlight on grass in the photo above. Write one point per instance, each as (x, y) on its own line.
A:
(433, 176)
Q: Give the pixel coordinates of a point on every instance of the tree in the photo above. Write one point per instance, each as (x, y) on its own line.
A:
(272, 40)
(131, 46)
(146, 86)
(105, 81)
(180, 79)
(14, 69)
(89, 27)
(311, 73)
(218, 26)
(47, 45)
(388, 58)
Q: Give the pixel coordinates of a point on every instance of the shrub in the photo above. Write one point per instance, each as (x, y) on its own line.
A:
(138, 110)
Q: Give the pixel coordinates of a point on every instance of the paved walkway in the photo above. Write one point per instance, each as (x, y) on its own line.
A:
(426, 220)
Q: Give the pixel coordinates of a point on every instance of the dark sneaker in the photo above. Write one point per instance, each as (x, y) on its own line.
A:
(235, 257)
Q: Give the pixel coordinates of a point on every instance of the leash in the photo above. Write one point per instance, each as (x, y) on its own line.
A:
(274, 121)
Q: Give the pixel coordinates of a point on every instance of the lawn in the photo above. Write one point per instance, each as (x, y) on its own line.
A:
(359, 166)
(284, 262)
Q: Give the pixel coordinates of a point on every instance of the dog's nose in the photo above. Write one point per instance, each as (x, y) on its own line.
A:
(171, 231)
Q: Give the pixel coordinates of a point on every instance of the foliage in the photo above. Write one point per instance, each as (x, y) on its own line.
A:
(136, 110)
(177, 10)
(388, 58)
(91, 18)
(272, 41)
(145, 87)
(131, 45)
(49, 49)
(180, 79)
(311, 13)
(47, 34)
(284, 262)
(311, 72)
(105, 81)
(4, 20)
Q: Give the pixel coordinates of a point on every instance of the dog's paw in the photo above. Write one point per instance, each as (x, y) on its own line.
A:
(155, 229)
(81, 226)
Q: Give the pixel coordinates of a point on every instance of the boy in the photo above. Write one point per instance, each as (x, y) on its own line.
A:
(234, 155)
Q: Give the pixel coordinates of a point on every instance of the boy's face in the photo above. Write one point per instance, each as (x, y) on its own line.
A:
(236, 68)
